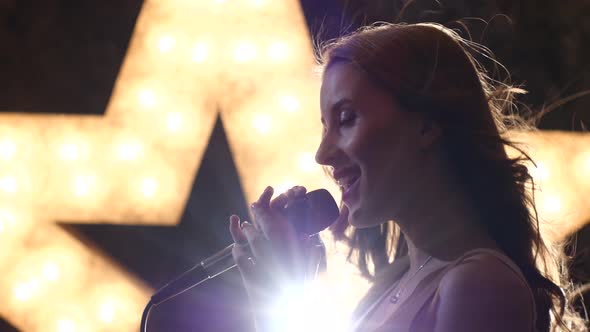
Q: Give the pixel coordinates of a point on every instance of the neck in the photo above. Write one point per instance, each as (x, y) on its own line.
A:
(442, 224)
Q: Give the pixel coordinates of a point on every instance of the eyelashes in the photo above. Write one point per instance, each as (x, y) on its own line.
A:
(346, 118)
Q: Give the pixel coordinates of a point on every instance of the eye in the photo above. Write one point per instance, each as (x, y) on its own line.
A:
(347, 117)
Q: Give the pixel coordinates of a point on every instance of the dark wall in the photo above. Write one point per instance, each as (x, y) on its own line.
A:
(62, 56)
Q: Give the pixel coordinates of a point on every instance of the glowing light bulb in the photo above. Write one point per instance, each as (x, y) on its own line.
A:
(147, 98)
(66, 325)
(552, 204)
(83, 184)
(69, 151)
(174, 121)
(7, 220)
(278, 50)
(200, 52)
(129, 151)
(307, 162)
(262, 123)
(106, 312)
(166, 43)
(149, 186)
(7, 149)
(9, 184)
(290, 103)
(541, 172)
(244, 52)
(23, 291)
(51, 271)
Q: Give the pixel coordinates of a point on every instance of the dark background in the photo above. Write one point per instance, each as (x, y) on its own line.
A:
(63, 56)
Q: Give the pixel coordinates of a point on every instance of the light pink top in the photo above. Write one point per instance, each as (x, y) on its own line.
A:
(417, 313)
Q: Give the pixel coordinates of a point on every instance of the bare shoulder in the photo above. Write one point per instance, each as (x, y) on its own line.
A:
(483, 294)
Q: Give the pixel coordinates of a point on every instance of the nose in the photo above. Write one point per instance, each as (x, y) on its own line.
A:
(327, 153)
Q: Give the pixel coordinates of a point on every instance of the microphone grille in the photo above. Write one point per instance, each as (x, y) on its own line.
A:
(320, 211)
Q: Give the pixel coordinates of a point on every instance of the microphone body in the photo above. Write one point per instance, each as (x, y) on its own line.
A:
(309, 216)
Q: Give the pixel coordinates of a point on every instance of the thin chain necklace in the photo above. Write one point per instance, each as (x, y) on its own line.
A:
(395, 298)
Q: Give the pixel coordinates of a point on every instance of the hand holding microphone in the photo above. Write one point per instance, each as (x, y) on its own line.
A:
(271, 250)
(269, 245)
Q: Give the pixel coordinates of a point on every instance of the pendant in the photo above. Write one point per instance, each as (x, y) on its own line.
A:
(394, 298)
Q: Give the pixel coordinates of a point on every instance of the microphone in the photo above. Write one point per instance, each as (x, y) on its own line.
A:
(309, 216)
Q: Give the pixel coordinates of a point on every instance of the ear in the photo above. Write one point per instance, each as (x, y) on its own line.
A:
(430, 132)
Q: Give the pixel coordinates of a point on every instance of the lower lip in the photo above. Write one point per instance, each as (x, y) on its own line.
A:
(349, 194)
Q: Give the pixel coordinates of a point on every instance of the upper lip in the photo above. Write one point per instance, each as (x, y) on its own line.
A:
(343, 172)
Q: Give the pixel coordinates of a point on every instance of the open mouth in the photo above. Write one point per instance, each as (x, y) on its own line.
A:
(348, 182)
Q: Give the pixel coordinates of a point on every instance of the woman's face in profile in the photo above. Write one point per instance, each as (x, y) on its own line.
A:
(372, 144)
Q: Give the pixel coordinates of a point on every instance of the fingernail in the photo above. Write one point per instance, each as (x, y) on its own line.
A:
(245, 224)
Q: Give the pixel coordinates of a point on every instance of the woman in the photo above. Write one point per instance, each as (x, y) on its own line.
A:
(413, 133)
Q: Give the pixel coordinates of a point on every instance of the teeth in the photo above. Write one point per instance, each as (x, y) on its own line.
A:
(345, 182)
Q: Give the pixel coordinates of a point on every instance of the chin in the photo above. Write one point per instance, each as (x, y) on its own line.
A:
(356, 218)
(359, 219)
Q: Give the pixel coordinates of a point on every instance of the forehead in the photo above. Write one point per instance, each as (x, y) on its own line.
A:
(341, 81)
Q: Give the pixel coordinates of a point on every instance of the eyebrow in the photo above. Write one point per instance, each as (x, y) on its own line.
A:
(336, 106)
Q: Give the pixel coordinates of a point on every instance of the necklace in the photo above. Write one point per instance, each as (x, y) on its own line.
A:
(395, 298)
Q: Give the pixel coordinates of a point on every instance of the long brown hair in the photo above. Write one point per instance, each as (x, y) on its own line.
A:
(431, 69)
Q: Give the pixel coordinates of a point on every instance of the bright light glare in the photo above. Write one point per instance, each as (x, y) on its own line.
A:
(9, 184)
(147, 98)
(23, 291)
(129, 150)
(83, 184)
(244, 52)
(290, 103)
(174, 121)
(309, 310)
(552, 204)
(283, 187)
(51, 271)
(540, 172)
(66, 325)
(7, 149)
(69, 151)
(166, 43)
(262, 123)
(200, 52)
(7, 220)
(149, 186)
(106, 312)
(307, 162)
(278, 50)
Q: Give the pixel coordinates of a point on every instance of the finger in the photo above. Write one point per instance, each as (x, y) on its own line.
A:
(279, 202)
(299, 191)
(259, 245)
(246, 264)
(236, 231)
(264, 199)
(241, 252)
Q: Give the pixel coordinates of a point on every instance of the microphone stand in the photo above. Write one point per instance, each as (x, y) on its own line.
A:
(219, 263)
